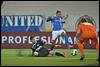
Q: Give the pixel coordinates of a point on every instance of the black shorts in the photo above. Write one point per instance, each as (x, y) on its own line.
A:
(44, 52)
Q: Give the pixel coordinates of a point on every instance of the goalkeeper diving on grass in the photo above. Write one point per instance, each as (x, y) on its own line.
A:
(40, 50)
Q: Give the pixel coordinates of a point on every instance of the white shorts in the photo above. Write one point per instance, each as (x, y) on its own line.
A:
(55, 34)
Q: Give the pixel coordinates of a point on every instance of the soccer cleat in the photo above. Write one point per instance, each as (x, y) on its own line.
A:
(82, 57)
(59, 54)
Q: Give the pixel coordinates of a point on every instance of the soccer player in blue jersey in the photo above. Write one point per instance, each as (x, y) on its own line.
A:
(57, 26)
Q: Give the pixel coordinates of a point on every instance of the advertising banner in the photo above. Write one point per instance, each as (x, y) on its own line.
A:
(22, 39)
(22, 23)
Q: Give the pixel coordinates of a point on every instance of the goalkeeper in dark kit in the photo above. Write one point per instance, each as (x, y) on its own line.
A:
(40, 50)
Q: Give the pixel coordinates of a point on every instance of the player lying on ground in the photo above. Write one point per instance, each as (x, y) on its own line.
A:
(86, 30)
(40, 50)
(57, 29)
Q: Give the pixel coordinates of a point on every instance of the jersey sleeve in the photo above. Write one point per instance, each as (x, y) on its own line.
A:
(34, 46)
(49, 19)
(63, 20)
(40, 42)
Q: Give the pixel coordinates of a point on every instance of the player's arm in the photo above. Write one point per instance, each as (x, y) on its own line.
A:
(41, 44)
(49, 18)
(63, 21)
(37, 49)
(64, 18)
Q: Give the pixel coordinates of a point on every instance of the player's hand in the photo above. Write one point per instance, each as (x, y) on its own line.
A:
(66, 16)
(63, 20)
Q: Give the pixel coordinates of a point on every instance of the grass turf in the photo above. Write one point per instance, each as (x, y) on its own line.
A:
(22, 57)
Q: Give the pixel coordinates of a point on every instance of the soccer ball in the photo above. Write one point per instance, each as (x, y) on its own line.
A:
(36, 53)
(74, 52)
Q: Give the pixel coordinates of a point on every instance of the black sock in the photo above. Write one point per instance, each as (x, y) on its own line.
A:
(52, 47)
(59, 54)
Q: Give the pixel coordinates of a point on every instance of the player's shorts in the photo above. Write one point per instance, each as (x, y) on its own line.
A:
(55, 34)
(44, 52)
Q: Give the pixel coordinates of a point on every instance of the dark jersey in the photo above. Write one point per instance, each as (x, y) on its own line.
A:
(40, 48)
(37, 46)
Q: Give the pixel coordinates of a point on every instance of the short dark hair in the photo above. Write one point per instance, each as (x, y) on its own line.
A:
(31, 37)
(83, 20)
(58, 11)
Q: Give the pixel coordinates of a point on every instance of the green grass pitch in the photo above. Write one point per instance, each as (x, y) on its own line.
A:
(21, 57)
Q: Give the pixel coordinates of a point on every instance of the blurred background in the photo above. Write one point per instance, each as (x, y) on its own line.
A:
(74, 9)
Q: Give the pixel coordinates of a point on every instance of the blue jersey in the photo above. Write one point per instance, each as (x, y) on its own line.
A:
(56, 22)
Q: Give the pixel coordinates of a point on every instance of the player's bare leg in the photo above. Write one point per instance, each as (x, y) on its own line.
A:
(97, 48)
(53, 43)
(95, 42)
(80, 46)
(63, 35)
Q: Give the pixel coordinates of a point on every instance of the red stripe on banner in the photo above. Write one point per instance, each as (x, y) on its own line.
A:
(22, 39)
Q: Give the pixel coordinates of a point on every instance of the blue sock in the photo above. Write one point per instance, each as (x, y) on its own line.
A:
(66, 41)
